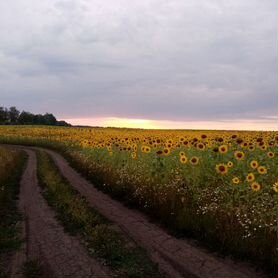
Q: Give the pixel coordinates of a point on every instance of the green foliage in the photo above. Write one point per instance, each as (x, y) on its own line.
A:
(12, 163)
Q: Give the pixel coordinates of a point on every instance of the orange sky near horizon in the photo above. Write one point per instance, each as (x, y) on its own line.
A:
(270, 123)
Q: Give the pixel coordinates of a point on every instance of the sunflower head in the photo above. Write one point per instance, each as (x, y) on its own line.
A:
(262, 170)
(263, 147)
(236, 180)
(270, 154)
(223, 149)
(221, 169)
(256, 186)
(182, 153)
(230, 164)
(239, 155)
(183, 159)
(201, 146)
(194, 160)
(146, 149)
(250, 177)
(166, 151)
(251, 148)
(254, 164)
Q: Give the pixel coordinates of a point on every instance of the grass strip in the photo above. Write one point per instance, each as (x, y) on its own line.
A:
(100, 237)
(12, 166)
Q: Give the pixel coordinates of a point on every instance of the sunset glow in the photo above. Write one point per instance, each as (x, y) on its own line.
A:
(269, 123)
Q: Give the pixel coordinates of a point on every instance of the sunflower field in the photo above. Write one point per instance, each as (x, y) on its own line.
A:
(220, 187)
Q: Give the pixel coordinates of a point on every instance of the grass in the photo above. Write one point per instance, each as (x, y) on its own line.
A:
(99, 236)
(12, 164)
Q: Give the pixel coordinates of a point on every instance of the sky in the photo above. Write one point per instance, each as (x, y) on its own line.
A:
(143, 63)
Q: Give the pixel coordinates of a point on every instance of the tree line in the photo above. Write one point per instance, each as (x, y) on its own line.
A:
(12, 116)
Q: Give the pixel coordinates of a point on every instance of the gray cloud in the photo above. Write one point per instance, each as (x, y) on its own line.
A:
(178, 60)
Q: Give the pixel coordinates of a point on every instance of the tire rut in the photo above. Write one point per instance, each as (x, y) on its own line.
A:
(175, 257)
(60, 254)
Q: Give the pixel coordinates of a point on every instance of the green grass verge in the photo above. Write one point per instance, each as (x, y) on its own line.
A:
(100, 238)
(9, 214)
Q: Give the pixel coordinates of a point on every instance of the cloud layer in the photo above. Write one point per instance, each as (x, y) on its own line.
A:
(154, 59)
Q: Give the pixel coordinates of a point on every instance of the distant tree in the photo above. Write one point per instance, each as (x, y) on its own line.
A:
(13, 115)
(26, 118)
(49, 119)
(3, 115)
(39, 119)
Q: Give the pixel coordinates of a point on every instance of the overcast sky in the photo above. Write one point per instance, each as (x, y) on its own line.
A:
(171, 60)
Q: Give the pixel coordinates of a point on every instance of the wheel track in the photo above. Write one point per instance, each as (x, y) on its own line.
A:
(60, 254)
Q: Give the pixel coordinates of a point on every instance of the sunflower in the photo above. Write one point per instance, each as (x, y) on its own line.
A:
(254, 164)
(270, 154)
(194, 160)
(221, 168)
(256, 186)
(239, 155)
(262, 170)
(236, 180)
(201, 146)
(182, 153)
(223, 149)
(230, 164)
(275, 187)
(183, 159)
(251, 148)
(181, 139)
(166, 151)
(146, 149)
(133, 155)
(263, 147)
(250, 177)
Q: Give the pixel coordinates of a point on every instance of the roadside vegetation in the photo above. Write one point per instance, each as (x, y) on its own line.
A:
(99, 236)
(11, 167)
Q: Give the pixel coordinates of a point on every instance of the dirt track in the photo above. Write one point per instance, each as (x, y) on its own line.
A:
(63, 254)
(59, 254)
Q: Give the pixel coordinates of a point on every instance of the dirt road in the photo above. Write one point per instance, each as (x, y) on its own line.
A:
(59, 254)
